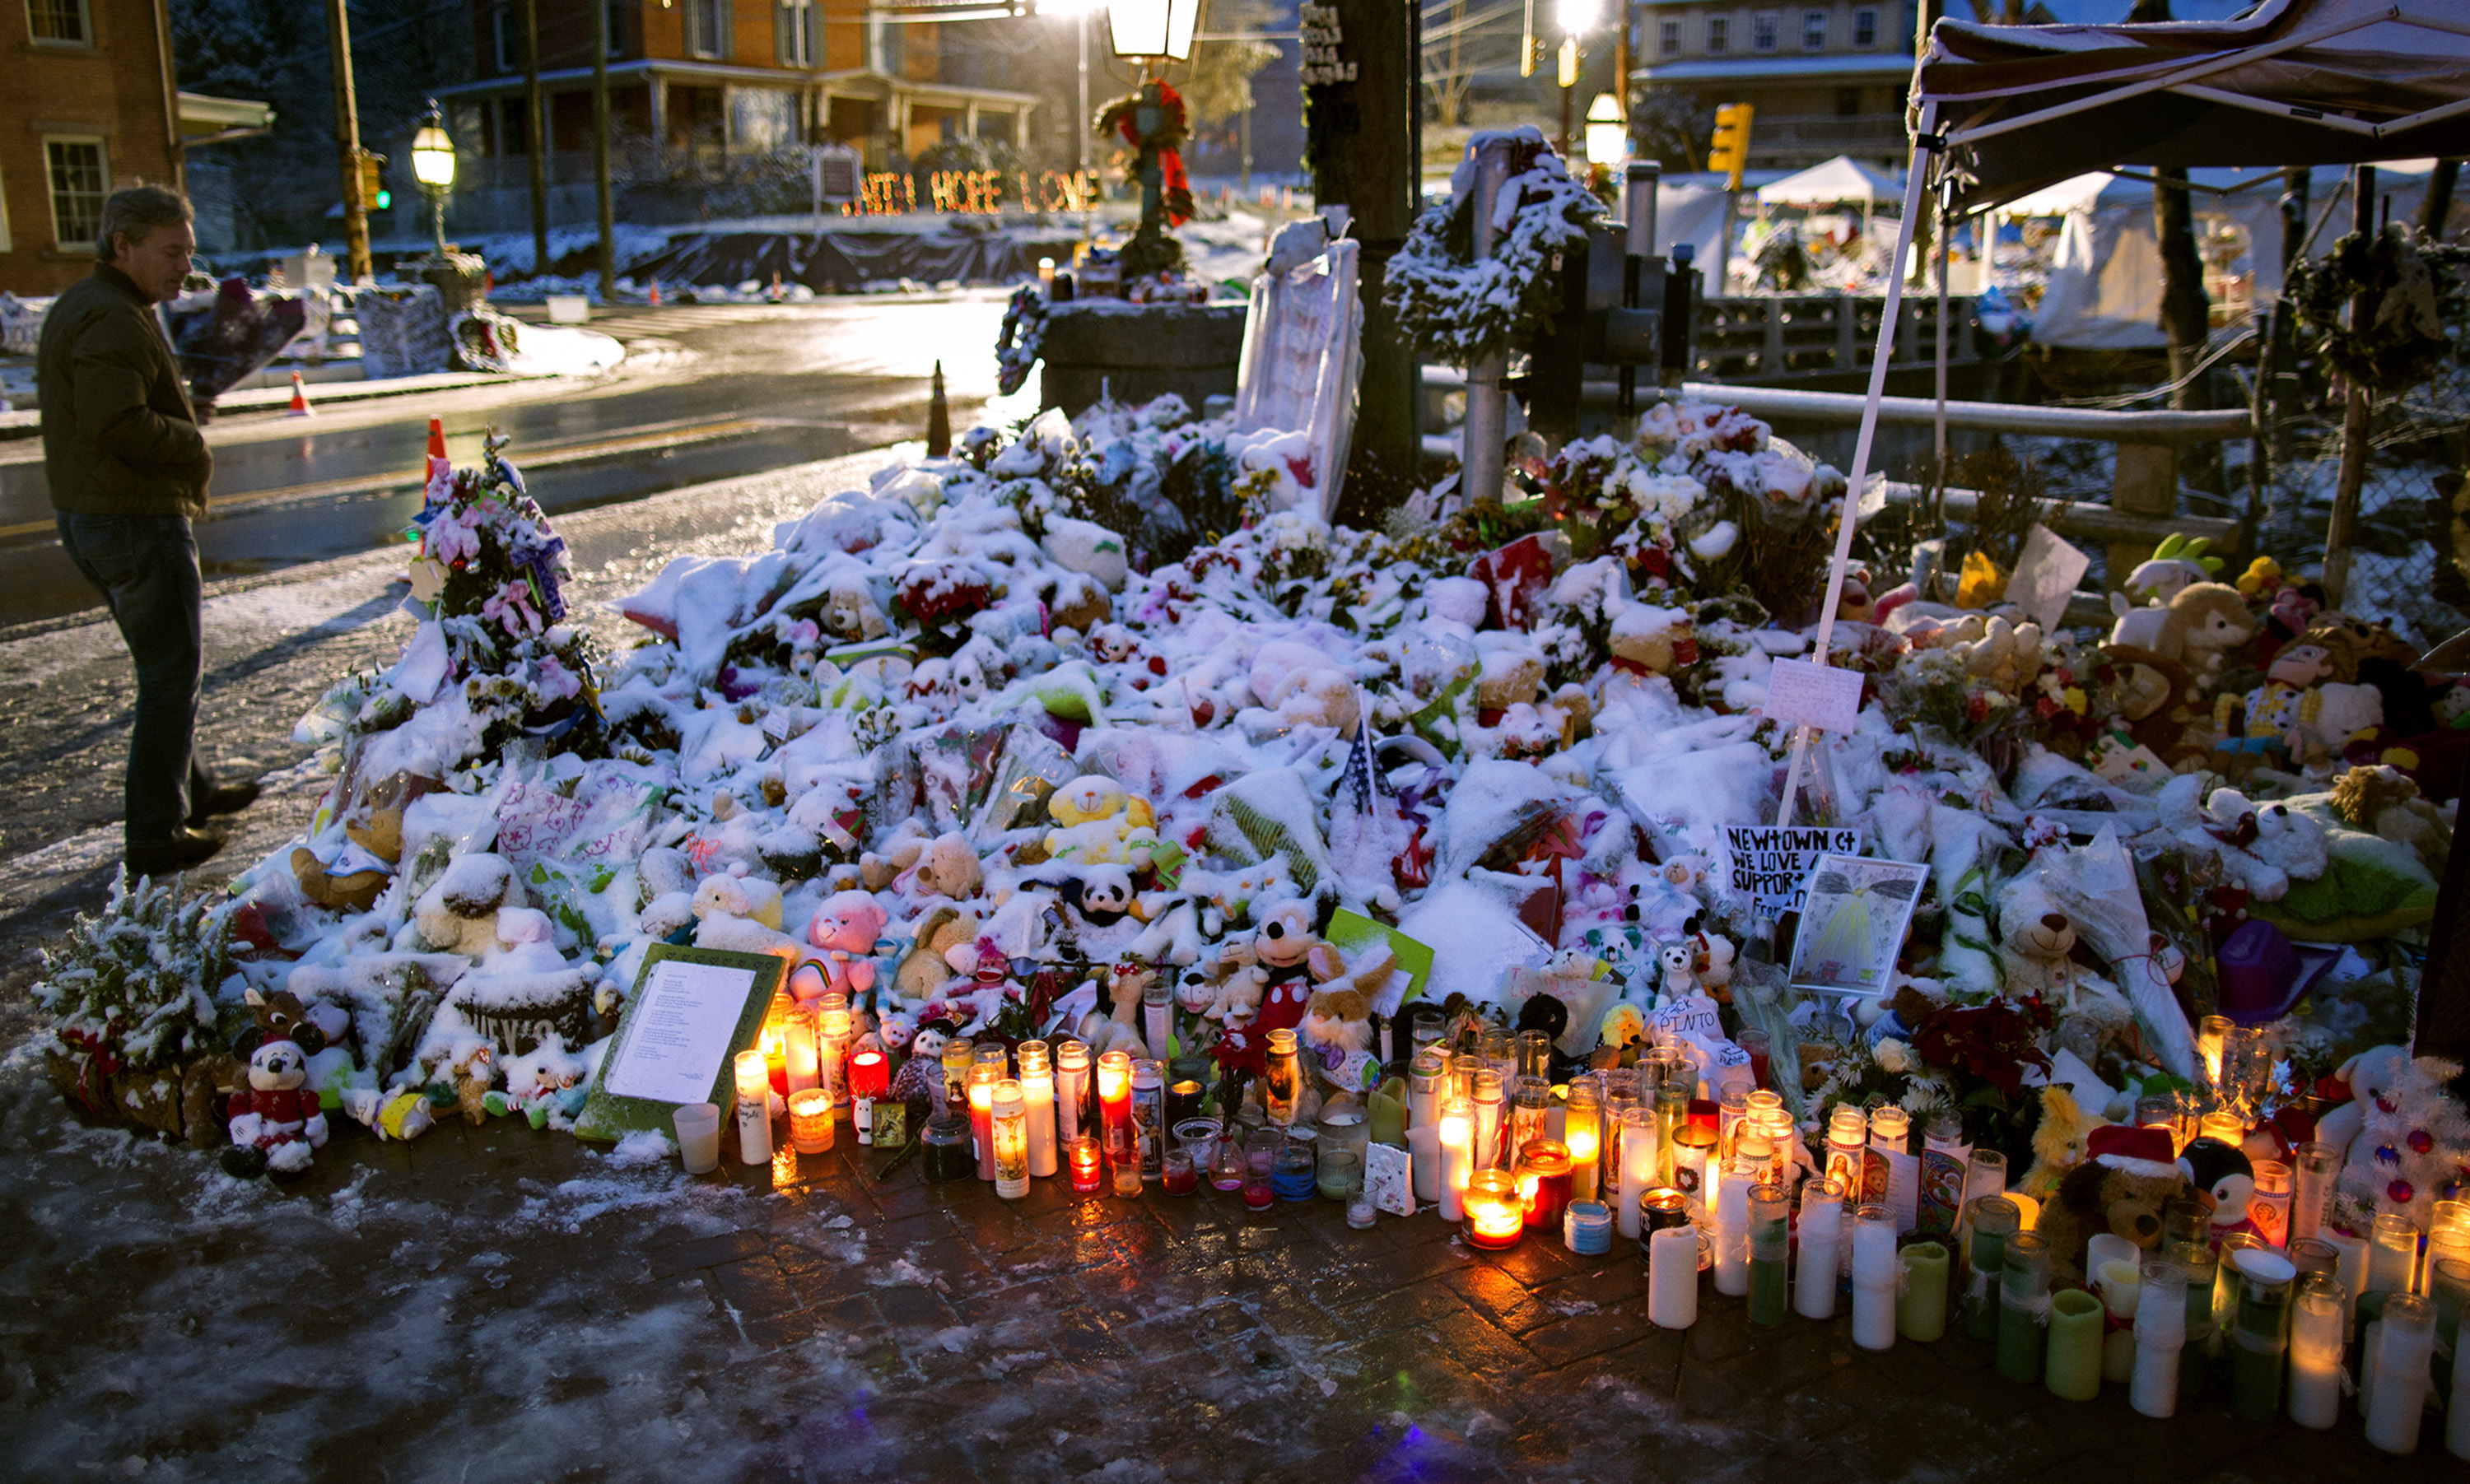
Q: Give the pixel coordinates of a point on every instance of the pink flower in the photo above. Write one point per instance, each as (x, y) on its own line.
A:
(511, 607)
(454, 538)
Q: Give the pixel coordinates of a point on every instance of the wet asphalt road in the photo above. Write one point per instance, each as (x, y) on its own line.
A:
(707, 392)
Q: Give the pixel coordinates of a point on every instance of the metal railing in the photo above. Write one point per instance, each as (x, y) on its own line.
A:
(1772, 335)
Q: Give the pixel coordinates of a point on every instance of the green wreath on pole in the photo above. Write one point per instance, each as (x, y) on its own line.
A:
(2418, 292)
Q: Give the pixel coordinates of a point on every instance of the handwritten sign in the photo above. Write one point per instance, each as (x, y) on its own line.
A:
(2047, 573)
(1771, 866)
(1804, 693)
(1853, 922)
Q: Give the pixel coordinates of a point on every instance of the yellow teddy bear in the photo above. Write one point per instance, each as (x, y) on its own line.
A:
(1100, 824)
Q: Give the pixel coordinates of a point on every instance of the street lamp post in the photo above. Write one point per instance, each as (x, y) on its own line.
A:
(432, 165)
(1152, 32)
(1576, 17)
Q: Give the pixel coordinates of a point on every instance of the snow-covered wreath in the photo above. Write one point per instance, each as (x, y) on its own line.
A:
(1024, 325)
(1458, 311)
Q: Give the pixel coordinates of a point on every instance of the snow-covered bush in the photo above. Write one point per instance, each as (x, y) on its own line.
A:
(132, 987)
(1458, 309)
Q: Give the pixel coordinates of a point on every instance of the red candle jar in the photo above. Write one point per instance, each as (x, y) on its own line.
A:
(1544, 1176)
(1088, 1170)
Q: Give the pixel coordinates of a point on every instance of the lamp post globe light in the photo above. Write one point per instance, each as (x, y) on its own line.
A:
(432, 165)
(1151, 34)
(1607, 131)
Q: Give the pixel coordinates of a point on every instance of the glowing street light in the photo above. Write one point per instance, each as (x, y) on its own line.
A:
(1153, 30)
(1607, 131)
(432, 165)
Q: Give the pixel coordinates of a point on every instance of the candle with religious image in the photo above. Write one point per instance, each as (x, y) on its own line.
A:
(800, 1055)
(1011, 1141)
(1071, 1090)
(832, 1041)
(1149, 1117)
(980, 1094)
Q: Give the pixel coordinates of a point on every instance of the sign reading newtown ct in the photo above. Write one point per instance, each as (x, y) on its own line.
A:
(1771, 864)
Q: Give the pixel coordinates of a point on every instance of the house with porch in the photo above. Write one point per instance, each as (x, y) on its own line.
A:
(1826, 77)
(698, 85)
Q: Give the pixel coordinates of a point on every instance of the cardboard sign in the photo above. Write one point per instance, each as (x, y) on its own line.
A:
(1388, 1179)
(693, 1010)
(1804, 693)
(1853, 924)
(1771, 866)
(2047, 573)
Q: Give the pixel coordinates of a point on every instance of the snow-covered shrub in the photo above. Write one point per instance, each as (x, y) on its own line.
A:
(1458, 309)
(132, 990)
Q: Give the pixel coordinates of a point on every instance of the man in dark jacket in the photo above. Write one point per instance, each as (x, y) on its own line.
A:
(128, 468)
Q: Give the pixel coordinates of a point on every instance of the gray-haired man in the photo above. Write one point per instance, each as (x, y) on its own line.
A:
(128, 468)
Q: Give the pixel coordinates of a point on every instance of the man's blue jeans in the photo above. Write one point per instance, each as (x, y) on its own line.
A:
(146, 567)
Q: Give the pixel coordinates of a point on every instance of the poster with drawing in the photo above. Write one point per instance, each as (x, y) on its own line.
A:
(1853, 924)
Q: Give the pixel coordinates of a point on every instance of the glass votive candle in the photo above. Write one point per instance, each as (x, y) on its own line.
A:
(1587, 1228)
(1294, 1174)
(810, 1120)
(1181, 1175)
(1337, 1170)
(1011, 1141)
(1494, 1216)
(944, 1147)
(1226, 1163)
(2225, 1126)
(1360, 1213)
(2268, 1206)
(1082, 1158)
(1543, 1177)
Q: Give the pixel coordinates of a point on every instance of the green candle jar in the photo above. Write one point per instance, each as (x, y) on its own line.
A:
(2074, 1363)
(1994, 1218)
(2023, 1294)
(2261, 1338)
(1770, 1246)
(2195, 1358)
(1920, 1308)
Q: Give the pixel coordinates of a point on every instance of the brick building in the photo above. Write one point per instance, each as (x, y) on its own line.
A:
(1826, 77)
(704, 82)
(92, 105)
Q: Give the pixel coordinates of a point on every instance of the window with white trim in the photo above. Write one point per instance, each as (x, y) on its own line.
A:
(798, 23)
(1865, 29)
(79, 179)
(1671, 35)
(1720, 35)
(504, 51)
(60, 22)
(1813, 30)
(1763, 30)
(707, 28)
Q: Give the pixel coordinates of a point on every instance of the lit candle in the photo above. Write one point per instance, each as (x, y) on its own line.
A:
(2161, 1331)
(832, 1044)
(1149, 1117)
(2023, 1301)
(870, 1082)
(1544, 1182)
(2392, 1254)
(773, 1046)
(1184, 1097)
(1494, 1216)
(1639, 1168)
(799, 1051)
(1848, 1139)
(1582, 1133)
(1671, 1120)
(2318, 1330)
(1071, 1089)
(1821, 1223)
(2073, 1365)
(753, 1107)
(1282, 1083)
(1011, 1142)
(1993, 1219)
(958, 1055)
(2225, 1126)
(1115, 1121)
(2315, 1165)
(1889, 1172)
(1087, 1169)
(1456, 1130)
(1921, 1306)
(2212, 1034)
(2401, 1366)
(810, 1120)
(2448, 1239)
(1157, 1018)
(981, 1084)
(1489, 1109)
(1673, 1278)
(1770, 1248)
(1875, 1270)
(1733, 1231)
(1038, 1107)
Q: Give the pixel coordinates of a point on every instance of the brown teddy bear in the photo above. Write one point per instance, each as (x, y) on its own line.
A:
(2121, 1188)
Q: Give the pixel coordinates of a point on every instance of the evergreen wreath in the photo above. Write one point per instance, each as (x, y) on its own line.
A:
(1459, 310)
(2421, 305)
(1024, 327)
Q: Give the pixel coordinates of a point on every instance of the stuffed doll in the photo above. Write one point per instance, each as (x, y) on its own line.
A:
(2120, 1187)
(2220, 1173)
(276, 1126)
(2061, 1142)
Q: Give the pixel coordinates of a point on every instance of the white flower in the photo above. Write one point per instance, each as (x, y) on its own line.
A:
(1893, 1057)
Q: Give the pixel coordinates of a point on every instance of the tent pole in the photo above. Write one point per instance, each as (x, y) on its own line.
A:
(1924, 137)
(1938, 440)
(2358, 417)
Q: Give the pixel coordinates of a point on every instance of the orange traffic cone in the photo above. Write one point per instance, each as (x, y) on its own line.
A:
(655, 298)
(776, 288)
(440, 467)
(300, 407)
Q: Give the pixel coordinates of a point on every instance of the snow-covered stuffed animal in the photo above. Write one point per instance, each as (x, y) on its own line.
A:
(276, 1126)
(545, 1084)
(843, 934)
(740, 913)
(526, 944)
(458, 913)
(1299, 684)
(1098, 822)
(401, 1114)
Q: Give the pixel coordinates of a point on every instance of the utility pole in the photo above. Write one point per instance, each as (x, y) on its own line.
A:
(600, 149)
(536, 127)
(1366, 158)
(347, 144)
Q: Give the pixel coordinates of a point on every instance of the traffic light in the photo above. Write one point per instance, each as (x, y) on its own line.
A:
(1730, 150)
(374, 196)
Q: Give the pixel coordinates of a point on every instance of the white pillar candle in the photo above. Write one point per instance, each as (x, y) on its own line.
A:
(2160, 1334)
(754, 1108)
(1875, 1271)
(1732, 1237)
(1673, 1278)
(2456, 1418)
(2352, 1270)
(1037, 1097)
(1638, 1165)
(1424, 1152)
(2122, 1286)
(2392, 1254)
(800, 1053)
(1456, 1130)
(1822, 1225)
(1071, 1088)
(2400, 1396)
(2316, 1339)
(2370, 1354)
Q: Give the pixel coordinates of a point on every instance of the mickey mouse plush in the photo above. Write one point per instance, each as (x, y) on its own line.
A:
(276, 1124)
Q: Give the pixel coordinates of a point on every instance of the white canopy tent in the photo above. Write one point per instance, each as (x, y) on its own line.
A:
(1837, 183)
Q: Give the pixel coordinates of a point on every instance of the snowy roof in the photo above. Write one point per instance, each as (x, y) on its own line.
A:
(1842, 178)
(1751, 69)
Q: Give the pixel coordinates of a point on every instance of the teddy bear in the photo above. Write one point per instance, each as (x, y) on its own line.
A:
(2006, 655)
(345, 889)
(458, 913)
(852, 613)
(2371, 1076)
(276, 1126)
(1337, 1036)
(2120, 1187)
(2383, 801)
(2197, 627)
(741, 914)
(943, 866)
(2058, 1141)
(2035, 938)
(1097, 821)
(375, 821)
(925, 965)
(2289, 841)
(1301, 688)
(843, 934)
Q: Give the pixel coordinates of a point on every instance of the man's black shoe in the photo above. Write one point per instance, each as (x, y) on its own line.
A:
(221, 798)
(165, 857)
